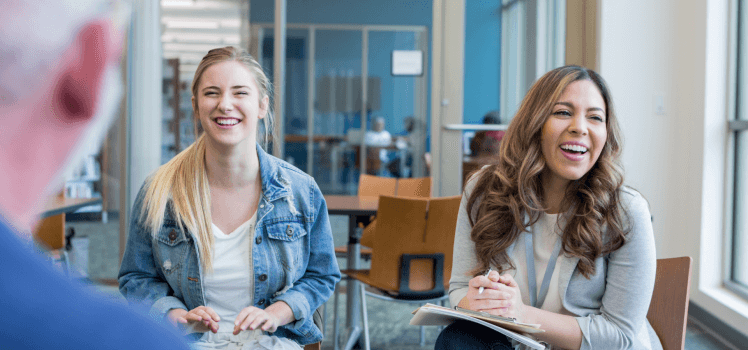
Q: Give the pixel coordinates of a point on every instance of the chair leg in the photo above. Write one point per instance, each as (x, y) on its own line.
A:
(422, 339)
(335, 321)
(367, 344)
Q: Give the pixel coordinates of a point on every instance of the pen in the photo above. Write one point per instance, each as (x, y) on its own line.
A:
(480, 290)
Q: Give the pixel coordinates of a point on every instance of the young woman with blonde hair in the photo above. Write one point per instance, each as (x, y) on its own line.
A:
(550, 235)
(227, 241)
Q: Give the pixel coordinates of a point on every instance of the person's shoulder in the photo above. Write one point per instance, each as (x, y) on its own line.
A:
(475, 177)
(631, 197)
(634, 203)
(48, 310)
(287, 169)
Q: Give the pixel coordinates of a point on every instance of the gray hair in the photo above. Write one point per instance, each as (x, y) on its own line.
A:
(33, 36)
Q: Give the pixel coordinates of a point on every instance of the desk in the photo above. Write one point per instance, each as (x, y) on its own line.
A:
(354, 207)
(50, 231)
(58, 205)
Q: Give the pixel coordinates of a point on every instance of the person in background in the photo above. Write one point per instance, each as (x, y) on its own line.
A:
(404, 143)
(377, 138)
(227, 242)
(551, 232)
(59, 91)
(486, 143)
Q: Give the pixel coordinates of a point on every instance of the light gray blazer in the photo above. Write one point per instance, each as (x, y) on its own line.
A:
(611, 306)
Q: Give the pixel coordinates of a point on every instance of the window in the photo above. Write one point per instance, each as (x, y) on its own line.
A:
(737, 277)
(532, 43)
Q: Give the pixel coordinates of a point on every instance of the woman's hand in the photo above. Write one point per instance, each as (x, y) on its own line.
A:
(496, 297)
(516, 308)
(201, 319)
(252, 317)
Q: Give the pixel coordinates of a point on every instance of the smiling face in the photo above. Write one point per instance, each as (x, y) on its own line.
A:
(575, 133)
(229, 104)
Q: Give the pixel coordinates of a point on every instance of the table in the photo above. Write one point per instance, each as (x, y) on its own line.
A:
(356, 208)
(50, 231)
(60, 205)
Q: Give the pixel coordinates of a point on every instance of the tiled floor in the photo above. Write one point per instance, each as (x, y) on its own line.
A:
(388, 322)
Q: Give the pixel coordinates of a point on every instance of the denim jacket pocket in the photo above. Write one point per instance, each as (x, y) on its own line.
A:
(288, 243)
(172, 248)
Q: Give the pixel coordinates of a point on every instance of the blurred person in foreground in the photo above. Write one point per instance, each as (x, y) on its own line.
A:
(59, 87)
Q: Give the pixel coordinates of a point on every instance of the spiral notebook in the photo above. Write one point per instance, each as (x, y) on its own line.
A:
(435, 315)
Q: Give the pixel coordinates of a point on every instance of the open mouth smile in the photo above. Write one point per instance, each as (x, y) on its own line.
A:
(226, 122)
(574, 151)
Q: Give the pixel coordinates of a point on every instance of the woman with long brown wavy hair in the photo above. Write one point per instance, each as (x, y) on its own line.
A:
(550, 235)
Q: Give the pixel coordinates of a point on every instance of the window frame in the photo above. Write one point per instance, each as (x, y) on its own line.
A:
(736, 126)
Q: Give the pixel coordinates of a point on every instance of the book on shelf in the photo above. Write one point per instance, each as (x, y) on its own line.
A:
(435, 315)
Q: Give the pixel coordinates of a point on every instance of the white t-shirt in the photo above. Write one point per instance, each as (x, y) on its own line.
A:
(546, 232)
(378, 139)
(228, 289)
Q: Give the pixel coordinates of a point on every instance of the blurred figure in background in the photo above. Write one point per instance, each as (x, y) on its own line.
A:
(59, 88)
(398, 166)
(486, 143)
(377, 138)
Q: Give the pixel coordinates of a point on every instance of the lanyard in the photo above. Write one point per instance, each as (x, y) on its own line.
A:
(537, 299)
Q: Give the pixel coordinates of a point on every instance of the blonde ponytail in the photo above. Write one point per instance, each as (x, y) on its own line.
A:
(183, 181)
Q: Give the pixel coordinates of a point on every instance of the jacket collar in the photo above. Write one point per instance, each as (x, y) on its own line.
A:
(274, 184)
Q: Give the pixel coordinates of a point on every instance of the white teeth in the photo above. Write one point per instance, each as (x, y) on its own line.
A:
(574, 148)
(227, 121)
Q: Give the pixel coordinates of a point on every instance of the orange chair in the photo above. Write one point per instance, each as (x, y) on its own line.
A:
(414, 187)
(406, 187)
(668, 311)
(50, 234)
(412, 255)
(369, 185)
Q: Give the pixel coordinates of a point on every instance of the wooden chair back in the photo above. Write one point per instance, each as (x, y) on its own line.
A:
(401, 224)
(370, 185)
(441, 224)
(668, 311)
(414, 187)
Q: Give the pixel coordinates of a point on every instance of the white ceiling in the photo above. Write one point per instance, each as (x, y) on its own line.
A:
(192, 27)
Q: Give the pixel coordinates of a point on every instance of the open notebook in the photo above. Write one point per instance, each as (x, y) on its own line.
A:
(435, 315)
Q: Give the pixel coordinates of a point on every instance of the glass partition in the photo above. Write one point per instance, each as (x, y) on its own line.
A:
(325, 133)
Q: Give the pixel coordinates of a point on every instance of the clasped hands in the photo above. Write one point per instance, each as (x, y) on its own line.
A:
(204, 319)
(501, 296)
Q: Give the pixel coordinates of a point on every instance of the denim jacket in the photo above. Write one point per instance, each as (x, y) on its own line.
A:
(292, 255)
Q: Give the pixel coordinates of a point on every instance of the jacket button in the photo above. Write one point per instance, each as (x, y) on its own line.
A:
(263, 277)
(172, 235)
(289, 231)
(261, 302)
(258, 240)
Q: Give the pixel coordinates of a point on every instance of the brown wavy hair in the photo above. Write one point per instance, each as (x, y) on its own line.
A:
(507, 198)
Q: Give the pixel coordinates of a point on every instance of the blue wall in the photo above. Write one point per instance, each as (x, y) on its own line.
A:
(482, 59)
